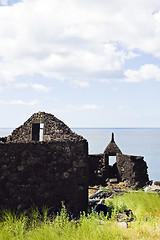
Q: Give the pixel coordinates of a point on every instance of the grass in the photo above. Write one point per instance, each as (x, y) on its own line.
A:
(141, 203)
(36, 226)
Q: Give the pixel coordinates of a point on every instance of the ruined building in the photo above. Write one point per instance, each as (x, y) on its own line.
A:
(132, 169)
(43, 162)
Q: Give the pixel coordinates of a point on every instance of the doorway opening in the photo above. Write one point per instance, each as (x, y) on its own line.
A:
(41, 132)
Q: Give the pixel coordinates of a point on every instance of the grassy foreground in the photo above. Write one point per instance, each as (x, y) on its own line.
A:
(36, 226)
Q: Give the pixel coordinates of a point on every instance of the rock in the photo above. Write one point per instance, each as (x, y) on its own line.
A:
(96, 194)
(152, 186)
(100, 208)
(122, 217)
(123, 224)
(157, 183)
(113, 180)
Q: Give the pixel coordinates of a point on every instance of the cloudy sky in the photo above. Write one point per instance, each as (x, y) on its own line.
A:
(91, 63)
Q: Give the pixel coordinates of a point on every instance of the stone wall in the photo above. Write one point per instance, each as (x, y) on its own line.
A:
(96, 169)
(57, 167)
(132, 169)
(44, 173)
(53, 129)
(3, 139)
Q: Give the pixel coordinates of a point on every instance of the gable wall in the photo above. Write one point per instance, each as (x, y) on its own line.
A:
(54, 129)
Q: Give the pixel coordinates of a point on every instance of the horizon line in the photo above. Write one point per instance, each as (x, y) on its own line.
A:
(115, 127)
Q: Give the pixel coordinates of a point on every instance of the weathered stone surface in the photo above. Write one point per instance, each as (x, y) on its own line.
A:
(55, 167)
(112, 149)
(96, 169)
(53, 129)
(132, 169)
(44, 173)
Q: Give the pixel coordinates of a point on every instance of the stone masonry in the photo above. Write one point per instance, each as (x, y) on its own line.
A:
(43, 162)
(34, 172)
(132, 169)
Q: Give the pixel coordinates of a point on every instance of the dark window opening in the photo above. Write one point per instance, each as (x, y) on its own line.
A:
(37, 131)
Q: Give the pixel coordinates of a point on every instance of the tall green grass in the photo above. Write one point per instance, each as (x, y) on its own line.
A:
(43, 226)
(141, 203)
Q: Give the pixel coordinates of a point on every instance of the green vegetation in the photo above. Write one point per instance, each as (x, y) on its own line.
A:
(142, 204)
(36, 226)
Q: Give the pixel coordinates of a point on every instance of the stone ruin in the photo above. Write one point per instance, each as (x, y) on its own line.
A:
(128, 168)
(43, 162)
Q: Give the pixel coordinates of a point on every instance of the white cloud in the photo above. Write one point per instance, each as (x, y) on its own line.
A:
(120, 107)
(83, 107)
(40, 87)
(74, 39)
(21, 85)
(115, 89)
(82, 84)
(36, 86)
(79, 108)
(19, 102)
(146, 72)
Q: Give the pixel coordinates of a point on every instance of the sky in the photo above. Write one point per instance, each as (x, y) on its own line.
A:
(91, 63)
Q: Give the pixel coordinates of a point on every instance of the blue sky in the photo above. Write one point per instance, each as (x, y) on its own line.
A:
(90, 63)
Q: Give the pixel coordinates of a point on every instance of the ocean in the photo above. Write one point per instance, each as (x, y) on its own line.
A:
(133, 141)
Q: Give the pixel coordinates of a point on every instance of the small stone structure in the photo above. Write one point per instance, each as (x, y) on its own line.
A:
(132, 169)
(44, 172)
(43, 162)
